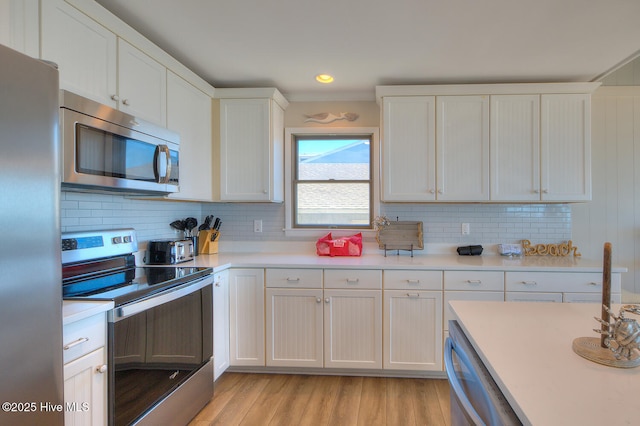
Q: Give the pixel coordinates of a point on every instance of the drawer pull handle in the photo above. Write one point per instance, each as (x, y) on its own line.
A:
(353, 280)
(413, 281)
(594, 283)
(295, 280)
(413, 295)
(528, 282)
(75, 343)
(102, 369)
(474, 281)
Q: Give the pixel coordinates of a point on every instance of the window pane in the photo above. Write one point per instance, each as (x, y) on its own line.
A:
(325, 159)
(333, 204)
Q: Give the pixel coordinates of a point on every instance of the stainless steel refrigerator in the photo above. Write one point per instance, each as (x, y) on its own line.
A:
(31, 382)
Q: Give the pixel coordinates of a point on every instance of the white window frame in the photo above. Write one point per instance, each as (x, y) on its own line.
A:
(289, 139)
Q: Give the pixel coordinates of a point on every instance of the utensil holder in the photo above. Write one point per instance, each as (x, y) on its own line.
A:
(208, 241)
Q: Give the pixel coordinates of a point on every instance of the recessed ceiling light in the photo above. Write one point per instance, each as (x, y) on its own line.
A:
(324, 78)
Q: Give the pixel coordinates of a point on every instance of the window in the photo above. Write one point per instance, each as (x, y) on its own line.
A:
(332, 178)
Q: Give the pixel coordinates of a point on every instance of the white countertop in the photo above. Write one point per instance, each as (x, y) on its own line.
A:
(75, 310)
(527, 347)
(403, 261)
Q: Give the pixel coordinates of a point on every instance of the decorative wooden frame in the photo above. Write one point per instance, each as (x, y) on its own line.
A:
(400, 235)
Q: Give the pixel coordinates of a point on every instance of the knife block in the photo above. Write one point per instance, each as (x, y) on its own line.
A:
(208, 241)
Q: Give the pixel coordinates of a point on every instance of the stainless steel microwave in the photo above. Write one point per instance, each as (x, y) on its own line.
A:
(106, 149)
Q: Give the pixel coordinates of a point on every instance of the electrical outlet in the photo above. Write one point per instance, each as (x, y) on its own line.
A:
(257, 225)
(466, 229)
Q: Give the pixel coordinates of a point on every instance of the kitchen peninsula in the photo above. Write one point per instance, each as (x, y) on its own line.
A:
(527, 349)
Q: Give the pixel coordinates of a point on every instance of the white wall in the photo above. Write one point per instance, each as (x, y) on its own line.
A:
(613, 215)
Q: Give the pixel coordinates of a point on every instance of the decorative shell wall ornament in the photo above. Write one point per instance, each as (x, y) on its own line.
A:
(327, 117)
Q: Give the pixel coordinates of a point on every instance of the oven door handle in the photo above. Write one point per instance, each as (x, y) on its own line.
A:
(125, 311)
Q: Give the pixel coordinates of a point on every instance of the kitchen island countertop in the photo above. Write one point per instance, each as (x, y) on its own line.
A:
(527, 348)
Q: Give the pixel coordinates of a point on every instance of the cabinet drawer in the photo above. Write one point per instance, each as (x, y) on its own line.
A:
(589, 298)
(467, 295)
(538, 296)
(412, 280)
(352, 278)
(294, 278)
(572, 282)
(84, 336)
(474, 280)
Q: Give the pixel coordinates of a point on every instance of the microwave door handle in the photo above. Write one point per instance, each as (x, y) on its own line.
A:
(162, 164)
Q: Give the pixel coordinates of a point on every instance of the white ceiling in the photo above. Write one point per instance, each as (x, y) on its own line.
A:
(364, 43)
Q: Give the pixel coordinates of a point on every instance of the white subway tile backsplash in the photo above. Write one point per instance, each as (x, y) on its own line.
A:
(490, 223)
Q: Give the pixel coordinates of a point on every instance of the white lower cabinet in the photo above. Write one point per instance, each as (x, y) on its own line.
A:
(85, 371)
(220, 323)
(246, 317)
(413, 330)
(353, 329)
(294, 329)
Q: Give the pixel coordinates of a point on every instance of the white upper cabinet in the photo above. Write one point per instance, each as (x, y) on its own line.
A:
(493, 142)
(19, 26)
(142, 84)
(515, 148)
(251, 145)
(462, 148)
(566, 147)
(85, 51)
(409, 148)
(189, 114)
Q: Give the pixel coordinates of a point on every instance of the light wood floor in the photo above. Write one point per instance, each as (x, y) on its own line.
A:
(283, 399)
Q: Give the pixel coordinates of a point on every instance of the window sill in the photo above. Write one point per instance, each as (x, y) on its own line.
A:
(317, 233)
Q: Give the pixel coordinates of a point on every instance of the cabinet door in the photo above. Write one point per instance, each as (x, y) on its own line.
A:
(84, 50)
(189, 114)
(413, 330)
(515, 148)
(566, 147)
(353, 329)
(246, 316)
(245, 170)
(220, 323)
(462, 147)
(408, 148)
(142, 84)
(85, 390)
(294, 329)
(19, 26)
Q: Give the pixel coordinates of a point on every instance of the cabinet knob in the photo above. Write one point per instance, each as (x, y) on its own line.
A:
(536, 191)
(440, 191)
(546, 191)
(318, 300)
(217, 284)
(126, 102)
(102, 369)
(115, 98)
(326, 300)
(432, 191)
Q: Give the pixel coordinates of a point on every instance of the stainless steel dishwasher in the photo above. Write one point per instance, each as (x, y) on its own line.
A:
(475, 396)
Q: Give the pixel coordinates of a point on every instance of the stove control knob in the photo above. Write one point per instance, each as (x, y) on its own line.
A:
(116, 240)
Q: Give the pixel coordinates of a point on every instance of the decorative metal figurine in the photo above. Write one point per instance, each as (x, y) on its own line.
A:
(622, 336)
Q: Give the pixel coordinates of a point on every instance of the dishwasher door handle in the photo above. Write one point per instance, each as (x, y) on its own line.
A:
(456, 386)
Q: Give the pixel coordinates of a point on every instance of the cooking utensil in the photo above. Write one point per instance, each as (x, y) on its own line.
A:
(178, 224)
(190, 223)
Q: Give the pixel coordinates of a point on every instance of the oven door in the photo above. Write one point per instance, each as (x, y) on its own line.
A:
(157, 345)
(101, 154)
